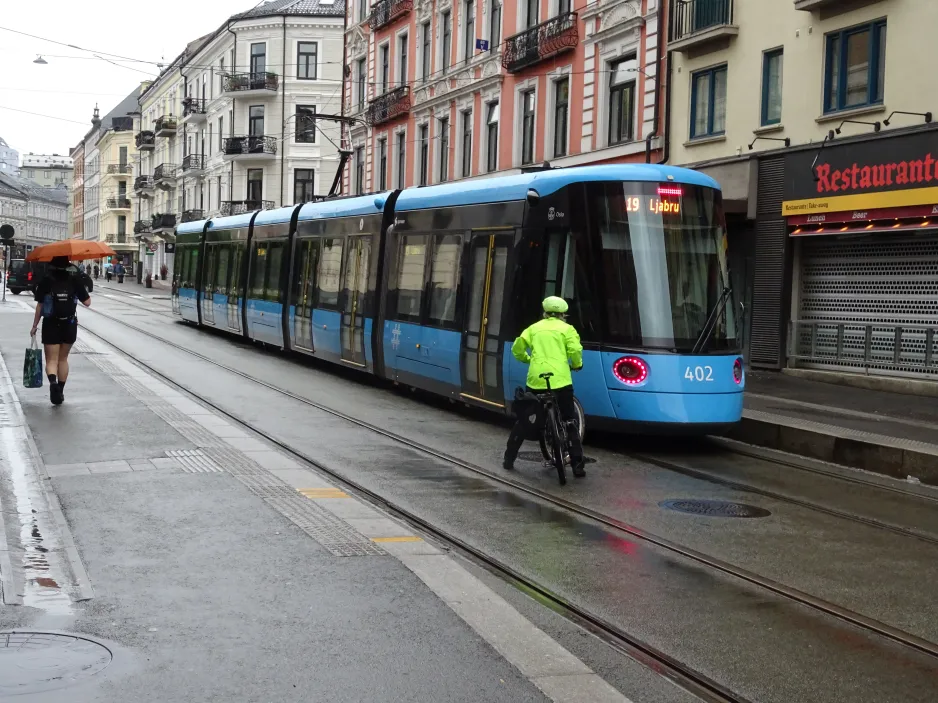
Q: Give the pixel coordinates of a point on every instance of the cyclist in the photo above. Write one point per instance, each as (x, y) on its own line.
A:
(551, 346)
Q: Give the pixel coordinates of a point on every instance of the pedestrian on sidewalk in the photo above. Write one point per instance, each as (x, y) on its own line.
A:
(96, 272)
(56, 297)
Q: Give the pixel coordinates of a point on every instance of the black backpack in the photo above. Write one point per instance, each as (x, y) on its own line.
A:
(63, 298)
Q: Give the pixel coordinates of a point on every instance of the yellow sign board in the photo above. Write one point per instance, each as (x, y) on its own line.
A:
(861, 201)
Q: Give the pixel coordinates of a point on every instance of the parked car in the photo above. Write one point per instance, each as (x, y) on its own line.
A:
(25, 275)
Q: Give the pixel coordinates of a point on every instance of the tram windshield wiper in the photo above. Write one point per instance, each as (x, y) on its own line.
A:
(711, 322)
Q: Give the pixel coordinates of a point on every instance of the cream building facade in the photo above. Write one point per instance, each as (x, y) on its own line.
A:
(47, 170)
(815, 116)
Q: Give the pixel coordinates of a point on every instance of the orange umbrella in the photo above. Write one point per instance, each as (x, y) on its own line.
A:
(74, 249)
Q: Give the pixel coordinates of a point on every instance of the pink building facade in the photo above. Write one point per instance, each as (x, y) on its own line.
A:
(443, 90)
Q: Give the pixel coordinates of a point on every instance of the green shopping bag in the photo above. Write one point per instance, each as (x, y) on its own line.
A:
(32, 366)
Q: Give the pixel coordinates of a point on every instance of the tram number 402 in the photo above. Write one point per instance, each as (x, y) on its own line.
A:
(699, 373)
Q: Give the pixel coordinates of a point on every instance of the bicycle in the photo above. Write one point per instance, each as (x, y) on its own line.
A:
(554, 440)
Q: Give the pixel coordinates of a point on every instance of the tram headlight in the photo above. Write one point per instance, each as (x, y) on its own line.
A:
(630, 370)
(738, 371)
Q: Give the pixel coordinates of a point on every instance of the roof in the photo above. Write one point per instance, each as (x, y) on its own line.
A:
(273, 217)
(344, 207)
(274, 8)
(11, 185)
(193, 227)
(508, 188)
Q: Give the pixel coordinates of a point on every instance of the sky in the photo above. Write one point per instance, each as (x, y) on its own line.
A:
(68, 87)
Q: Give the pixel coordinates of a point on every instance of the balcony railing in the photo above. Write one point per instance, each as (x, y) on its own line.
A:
(191, 215)
(165, 126)
(699, 21)
(388, 106)
(193, 107)
(556, 35)
(145, 140)
(119, 168)
(239, 207)
(118, 203)
(386, 11)
(164, 172)
(193, 162)
(163, 221)
(237, 146)
(116, 238)
(240, 82)
(143, 227)
(143, 183)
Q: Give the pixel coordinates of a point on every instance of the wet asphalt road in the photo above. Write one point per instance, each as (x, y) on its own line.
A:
(746, 638)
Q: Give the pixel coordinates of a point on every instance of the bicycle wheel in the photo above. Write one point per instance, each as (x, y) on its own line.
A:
(558, 444)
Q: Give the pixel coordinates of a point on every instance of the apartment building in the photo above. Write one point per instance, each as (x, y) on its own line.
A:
(76, 194)
(228, 127)
(816, 117)
(116, 150)
(38, 214)
(47, 170)
(448, 89)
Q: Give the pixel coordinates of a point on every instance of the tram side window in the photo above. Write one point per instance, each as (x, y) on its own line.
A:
(304, 272)
(182, 255)
(444, 279)
(222, 264)
(193, 272)
(330, 269)
(410, 277)
(259, 272)
(237, 261)
(274, 268)
(211, 255)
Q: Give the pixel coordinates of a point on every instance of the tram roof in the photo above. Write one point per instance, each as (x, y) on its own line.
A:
(508, 188)
(371, 204)
(231, 222)
(191, 227)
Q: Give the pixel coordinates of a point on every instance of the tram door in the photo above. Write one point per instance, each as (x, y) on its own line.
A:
(207, 299)
(356, 306)
(233, 297)
(481, 344)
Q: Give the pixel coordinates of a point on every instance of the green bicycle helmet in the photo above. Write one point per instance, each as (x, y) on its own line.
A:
(554, 304)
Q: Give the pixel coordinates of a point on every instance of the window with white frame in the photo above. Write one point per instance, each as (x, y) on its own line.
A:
(305, 124)
(531, 13)
(528, 116)
(446, 39)
(359, 170)
(495, 25)
(361, 76)
(443, 126)
(402, 59)
(424, 145)
(491, 136)
(382, 164)
(561, 116)
(384, 66)
(426, 37)
(401, 159)
(469, 31)
(465, 145)
(621, 101)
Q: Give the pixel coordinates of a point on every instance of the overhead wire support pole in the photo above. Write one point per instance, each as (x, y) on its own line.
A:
(344, 154)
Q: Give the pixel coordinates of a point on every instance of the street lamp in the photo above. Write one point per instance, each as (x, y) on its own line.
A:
(40, 60)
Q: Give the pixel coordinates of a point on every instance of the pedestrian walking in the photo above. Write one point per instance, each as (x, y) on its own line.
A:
(96, 272)
(56, 297)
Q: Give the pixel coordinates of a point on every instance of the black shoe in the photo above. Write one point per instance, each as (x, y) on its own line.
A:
(508, 464)
(579, 471)
(57, 393)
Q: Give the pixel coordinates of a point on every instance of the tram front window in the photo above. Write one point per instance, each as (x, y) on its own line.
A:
(664, 265)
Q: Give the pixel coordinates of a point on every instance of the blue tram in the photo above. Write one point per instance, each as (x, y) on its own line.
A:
(429, 286)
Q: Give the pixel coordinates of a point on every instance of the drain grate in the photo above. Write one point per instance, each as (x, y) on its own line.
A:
(34, 662)
(714, 508)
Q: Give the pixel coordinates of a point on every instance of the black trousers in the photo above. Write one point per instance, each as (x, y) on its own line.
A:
(567, 409)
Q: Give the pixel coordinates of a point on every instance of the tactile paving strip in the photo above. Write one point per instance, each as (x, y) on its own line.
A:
(193, 461)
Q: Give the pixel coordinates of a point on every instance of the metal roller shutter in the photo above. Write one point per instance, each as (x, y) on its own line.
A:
(865, 295)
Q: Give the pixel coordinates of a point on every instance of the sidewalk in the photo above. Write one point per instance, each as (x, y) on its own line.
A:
(185, 560)
(160, 289)
(887, 433)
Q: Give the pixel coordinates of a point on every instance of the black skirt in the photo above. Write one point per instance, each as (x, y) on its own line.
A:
(56, 331)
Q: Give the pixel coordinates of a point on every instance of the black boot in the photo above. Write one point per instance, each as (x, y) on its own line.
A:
(578, 469)
(56, 393)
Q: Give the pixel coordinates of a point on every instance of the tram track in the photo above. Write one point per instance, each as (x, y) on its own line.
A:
(858, 620)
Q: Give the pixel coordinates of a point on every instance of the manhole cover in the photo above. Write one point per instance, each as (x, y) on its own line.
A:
(33, 662)
(714, 508)
(537, 456)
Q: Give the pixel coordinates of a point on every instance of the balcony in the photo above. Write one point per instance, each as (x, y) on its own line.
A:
(143, 186)
(143, 227)
(145, 140)
(239, 207)
(387, 11)
(165, 126)
(826, 4)
(555, 36)
(164, 176)
(193, 165)
(163, 223)
(192, 215)
(194, 110)
(239, 84)
(250, 148)
(119, 169)
(388, 106)
(116, 239)
(701, 24)
(118, 203)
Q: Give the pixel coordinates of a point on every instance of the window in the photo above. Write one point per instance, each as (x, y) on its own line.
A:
(382, 164)
(561, 116)
(303, 188)
(221, 133)
(362, 10)
(362, 73)
(401, 158)
(708, 102)
(121, 225)
(855, 67)
(360, 170)
(527, 127)
(425, 51)
(305, 124)
(47, 175)
(306, 58)
(122, 156)
(495, 25)
(260, 271)
(444, 149)
(466, 143)
(446, 29)
(256, 120)
(530, 13)
(255, 192)
(413, 256)
(444, 279)
(424, 153)
(210, 140)
(402, 60)
(563, 7)
(621, 101)
(274, 268)
(491, 137)
(772, 87)
(330, 266)
(258, 58)
(221, 74)
(469, 8)
(385, 53)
